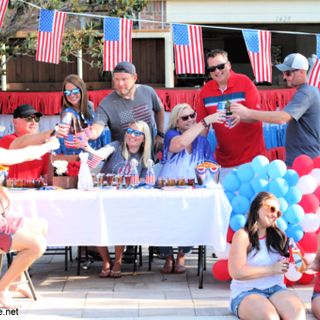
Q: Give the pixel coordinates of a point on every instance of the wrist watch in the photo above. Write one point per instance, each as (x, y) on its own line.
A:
(160, 134)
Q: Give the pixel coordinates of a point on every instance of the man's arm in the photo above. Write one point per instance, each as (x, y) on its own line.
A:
(31, 139)
(159, 116)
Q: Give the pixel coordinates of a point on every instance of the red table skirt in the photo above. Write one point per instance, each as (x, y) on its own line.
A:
(49, 103)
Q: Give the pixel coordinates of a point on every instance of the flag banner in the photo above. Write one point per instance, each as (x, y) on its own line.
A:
(258, 43)
(93, 160)
(314, 72)
(3, 9)
(188, 49)
(117, 46)
(51, 27)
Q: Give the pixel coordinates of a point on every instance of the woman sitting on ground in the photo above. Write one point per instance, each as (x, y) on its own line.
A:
(257, 265)
(118, 156)
(184, 148)
(24, 235)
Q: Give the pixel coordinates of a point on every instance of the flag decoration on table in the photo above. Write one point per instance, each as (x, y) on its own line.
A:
(51, 27)
(3, 9)
(314, 72)
(117, 46)
(188, 49)
(93, 160)
(258, 43)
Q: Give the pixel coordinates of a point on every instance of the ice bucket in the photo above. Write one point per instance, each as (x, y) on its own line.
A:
(208, 173)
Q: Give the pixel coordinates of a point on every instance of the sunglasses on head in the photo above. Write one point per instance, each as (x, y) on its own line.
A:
(134, 132)
(219, 67)
(70, 92)
(32, 118)
(272, 209)
(289, 72)
(186, 118)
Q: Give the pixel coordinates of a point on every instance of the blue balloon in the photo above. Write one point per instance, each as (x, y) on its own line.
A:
(246, 190)
(283, 204)
(281, 223)
(263, 176)
(245, 172)
(294, 195)
(291, 177)
(279, 187)
(277, 169)
(237, 222)
(260, 164)
(229, 195)
(240, 204)
(295, 232)
(231, 182)
(294, 214)
(259, 185)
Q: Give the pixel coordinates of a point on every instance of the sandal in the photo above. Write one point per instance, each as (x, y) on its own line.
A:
(22, 289)
(105, 273)
(168, 267)
(115, 274)
(179, 268)
(6, 301)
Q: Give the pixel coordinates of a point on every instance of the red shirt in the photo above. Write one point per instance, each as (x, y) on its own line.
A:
(27, 170)
(243, 142)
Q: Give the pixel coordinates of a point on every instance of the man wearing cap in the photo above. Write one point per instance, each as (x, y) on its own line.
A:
(302, 113)
(26, 121)
(127, 103)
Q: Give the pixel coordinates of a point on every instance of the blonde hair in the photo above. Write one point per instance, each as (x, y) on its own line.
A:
(174, 115)
(146, 144)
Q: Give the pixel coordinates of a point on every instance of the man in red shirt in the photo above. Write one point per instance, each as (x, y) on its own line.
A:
(26, 121)
(238, 142)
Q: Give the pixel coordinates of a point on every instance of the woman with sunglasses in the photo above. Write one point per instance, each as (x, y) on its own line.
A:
(77, 114)
(118, 156)
(257, 265)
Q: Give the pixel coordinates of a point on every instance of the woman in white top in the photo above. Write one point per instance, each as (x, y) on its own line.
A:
(257, 263)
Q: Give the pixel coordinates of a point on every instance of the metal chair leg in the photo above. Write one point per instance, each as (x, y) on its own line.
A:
(30, 284)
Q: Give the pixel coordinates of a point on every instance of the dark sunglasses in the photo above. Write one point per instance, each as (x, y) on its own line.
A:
(186, 118)
(219, 67)
(289, 72)
(32, 118)
(135, 133)
(70, 92)
(273, 209)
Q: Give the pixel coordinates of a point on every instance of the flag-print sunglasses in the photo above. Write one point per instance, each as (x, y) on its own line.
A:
(135, 133)
(70, 92)
(219, 67)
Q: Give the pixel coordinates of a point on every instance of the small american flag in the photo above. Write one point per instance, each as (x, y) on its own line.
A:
(258, 43)
(117, 47)
(70, 141)
(314, 72)
(3, 9)
(51, 27)
(188, 49)
(93, 160)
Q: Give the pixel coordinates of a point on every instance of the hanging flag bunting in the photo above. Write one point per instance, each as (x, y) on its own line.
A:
(188, 49)
(51, 27)
(314, 72)
(258, 43)
(117, 35)
(3, 9)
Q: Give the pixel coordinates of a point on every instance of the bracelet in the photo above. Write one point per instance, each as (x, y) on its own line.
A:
(160, 134)
(203, 122)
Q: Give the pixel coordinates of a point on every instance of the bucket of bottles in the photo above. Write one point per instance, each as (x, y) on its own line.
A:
(208, 173)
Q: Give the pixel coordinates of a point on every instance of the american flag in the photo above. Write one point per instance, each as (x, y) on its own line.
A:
(314, 72)
(51, 27)
(258, 43)
(188, 49)
(3, 9)
(117, 47)
(93, 160)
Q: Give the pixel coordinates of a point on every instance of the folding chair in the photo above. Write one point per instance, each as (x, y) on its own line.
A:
(59, 251)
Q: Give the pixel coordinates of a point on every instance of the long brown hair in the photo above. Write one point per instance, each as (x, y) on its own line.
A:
(79, 83)
(275, 239)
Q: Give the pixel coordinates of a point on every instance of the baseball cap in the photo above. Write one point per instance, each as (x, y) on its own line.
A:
(126, 67)
(294, 61)
(25, 110)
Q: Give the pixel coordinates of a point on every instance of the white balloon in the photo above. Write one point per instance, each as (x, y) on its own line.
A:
(307, 184)
(316, 174)
(223, 254)
(310, 222)
(292, 274)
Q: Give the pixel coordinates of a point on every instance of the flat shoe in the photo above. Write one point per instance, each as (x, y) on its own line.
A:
(180, 268)
(105, 273)
(115, 274)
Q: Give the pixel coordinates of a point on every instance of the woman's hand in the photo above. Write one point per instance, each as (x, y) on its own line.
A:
(281, 266)
(218, 117)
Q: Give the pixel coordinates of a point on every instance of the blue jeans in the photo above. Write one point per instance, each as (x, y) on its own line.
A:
(235, 302)
(168, 251)
(315, 295)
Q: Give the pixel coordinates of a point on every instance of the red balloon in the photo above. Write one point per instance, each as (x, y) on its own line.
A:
(303, 164)
(317, 193)
(309, 242)
(230, 234)
(220, 270)
(309, 203)
(306, 278)
(316, 162)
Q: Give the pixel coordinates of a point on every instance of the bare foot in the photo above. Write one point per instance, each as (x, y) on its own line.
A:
(22, 289)
(168, 266)
(6, 301)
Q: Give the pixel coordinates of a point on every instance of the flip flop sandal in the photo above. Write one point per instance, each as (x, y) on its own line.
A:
(105, 273)
(180, 268)
(115, 274)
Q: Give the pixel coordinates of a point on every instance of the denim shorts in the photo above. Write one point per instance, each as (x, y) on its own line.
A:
(235, 302)
(315, 295)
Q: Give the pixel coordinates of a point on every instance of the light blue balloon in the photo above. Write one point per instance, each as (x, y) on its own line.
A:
(231, 182)
(279, 187)
(283, 204)
(229, 195)
(260, 164)
(246, 190)
(245, 172)
(259, 185)
(294, 195)
(263, 176)
(281, 223)
(237, 222)
(294, 214)
(295, 232)
(277, 169)
(240, 204)
(291, 177)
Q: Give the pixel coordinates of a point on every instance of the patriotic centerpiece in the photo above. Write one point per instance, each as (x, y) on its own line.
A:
(208, 173)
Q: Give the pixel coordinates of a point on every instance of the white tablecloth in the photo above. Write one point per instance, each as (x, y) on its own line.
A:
(132, 217)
